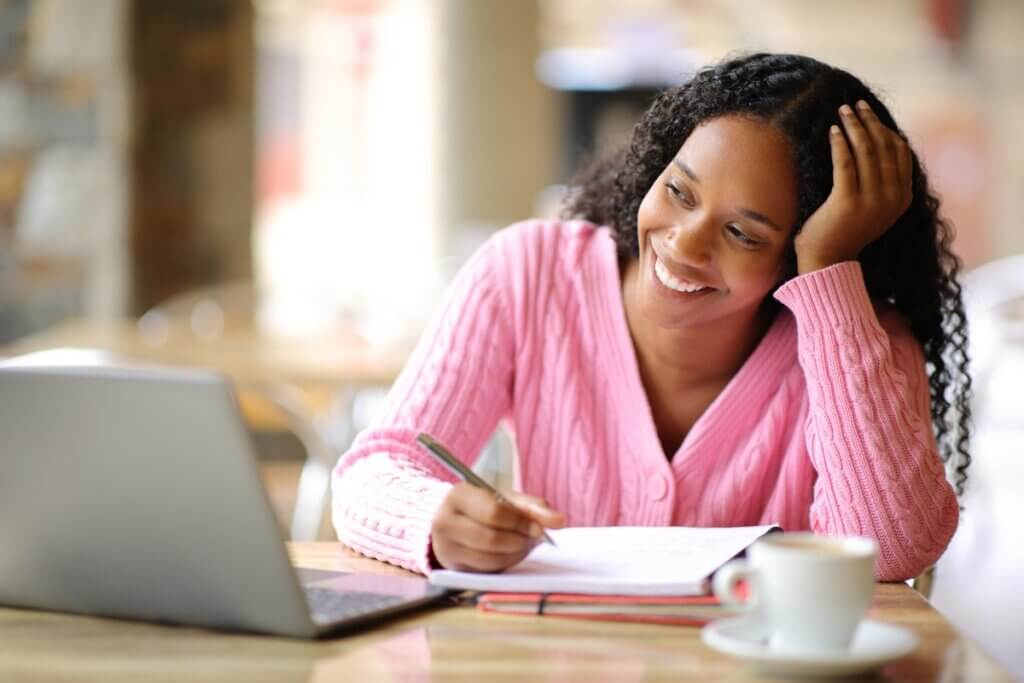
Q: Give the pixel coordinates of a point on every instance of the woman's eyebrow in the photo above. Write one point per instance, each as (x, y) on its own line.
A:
(686, 169)
(760, 218)
(749, 213)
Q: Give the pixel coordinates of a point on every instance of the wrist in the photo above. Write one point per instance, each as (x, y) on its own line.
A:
(809, 262)
(809, 265)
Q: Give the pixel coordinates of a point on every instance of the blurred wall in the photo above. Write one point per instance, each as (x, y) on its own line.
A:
(192, 161)
(500, 123)
(126, 143)
(64, 136)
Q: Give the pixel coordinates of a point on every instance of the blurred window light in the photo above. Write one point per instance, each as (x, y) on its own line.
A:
(644, 47)
(601, 68)
(348, 162)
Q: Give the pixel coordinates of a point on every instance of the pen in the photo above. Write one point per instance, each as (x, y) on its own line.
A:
(464, 473)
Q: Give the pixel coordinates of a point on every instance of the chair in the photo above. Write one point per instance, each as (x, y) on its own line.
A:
(976, 580)
(994, 299)
(324, 429)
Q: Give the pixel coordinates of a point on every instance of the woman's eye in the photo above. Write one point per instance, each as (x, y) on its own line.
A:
(741, 236)
(679, 194)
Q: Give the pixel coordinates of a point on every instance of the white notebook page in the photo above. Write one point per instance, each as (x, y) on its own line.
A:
(615, 561)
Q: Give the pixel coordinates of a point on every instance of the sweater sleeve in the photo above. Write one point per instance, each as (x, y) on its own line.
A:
(868, 431)
(455, 386)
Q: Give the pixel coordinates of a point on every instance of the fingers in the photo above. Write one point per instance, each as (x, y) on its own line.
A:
(474, 531)
(871, 178)
(882, 160)
(538, 509)
(844, 173)
(470, 533)
(482, 506)
(884, 147)
(464, 558)
(905, 163)
(864, 154)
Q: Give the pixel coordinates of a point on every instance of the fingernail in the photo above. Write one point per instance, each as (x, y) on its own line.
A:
(863, 105)
(834, 130)
(845, 110)
(535, 530)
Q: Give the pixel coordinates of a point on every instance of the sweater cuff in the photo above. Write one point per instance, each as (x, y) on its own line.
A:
(828, 298)
(417, 523)
(384, 509)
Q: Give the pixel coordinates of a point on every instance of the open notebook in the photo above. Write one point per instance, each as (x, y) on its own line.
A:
(616, 561)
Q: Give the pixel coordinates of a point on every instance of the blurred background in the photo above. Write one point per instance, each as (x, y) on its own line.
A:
(281, 189)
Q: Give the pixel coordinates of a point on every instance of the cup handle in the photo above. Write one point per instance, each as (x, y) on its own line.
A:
(725, 580)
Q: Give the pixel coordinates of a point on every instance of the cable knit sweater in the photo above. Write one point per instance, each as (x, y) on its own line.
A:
(825, 427)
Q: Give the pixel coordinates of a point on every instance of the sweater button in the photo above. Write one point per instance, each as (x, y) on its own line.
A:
(658, 486)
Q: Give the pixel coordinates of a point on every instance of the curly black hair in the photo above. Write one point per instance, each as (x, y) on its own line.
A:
(911, 266)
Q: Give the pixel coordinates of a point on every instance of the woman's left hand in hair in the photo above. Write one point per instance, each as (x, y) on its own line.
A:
(871, 189)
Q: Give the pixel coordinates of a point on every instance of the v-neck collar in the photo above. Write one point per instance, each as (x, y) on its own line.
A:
(762, 368)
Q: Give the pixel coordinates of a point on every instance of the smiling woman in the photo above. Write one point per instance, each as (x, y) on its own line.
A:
(713, 220)
(714, 230)
(734, 329)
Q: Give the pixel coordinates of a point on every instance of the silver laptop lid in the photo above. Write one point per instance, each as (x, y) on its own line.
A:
(133, 493)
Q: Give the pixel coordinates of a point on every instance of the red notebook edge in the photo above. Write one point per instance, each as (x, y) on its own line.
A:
(601, 599)
(539, 604)
(622, 618)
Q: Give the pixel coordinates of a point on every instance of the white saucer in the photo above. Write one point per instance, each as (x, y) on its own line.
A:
(874, 645)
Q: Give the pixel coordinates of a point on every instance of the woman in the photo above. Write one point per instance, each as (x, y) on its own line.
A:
(736, 333)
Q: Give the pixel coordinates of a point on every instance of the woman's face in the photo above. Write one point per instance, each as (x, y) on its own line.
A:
(714, 228)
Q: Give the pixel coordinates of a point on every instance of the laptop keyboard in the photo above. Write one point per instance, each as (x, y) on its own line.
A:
(333, 605)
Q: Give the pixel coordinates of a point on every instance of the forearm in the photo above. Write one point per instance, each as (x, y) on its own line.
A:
(869, 435)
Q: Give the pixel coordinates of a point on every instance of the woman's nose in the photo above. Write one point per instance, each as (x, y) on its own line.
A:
(690, 245)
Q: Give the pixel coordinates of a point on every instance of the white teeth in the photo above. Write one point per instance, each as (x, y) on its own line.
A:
(672, 282)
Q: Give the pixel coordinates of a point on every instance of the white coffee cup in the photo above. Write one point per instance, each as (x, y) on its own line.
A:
(810, 592)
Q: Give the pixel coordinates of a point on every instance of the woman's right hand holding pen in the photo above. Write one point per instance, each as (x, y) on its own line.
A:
(473, 531)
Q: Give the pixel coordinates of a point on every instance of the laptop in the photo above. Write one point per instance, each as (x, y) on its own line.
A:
(133, 492)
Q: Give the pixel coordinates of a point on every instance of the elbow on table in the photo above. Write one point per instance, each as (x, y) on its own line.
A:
(900, 559)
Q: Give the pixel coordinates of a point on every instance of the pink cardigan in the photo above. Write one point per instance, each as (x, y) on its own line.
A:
(825, 427)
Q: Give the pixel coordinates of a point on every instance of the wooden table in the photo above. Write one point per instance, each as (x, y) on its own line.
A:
(458, 644)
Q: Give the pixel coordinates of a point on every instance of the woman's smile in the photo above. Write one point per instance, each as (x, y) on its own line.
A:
(677, 286)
